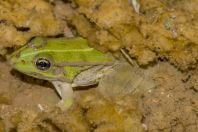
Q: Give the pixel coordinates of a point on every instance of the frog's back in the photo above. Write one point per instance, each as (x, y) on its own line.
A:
(67, 44)
(75, 50)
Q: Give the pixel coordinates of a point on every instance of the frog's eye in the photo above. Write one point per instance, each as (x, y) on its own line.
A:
(43, 64)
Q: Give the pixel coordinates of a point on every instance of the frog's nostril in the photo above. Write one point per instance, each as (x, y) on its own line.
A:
(23, 61)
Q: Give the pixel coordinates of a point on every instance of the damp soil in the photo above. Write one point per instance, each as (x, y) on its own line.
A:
(162, 36)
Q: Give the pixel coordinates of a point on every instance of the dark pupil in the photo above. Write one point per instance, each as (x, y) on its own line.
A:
(43, 64)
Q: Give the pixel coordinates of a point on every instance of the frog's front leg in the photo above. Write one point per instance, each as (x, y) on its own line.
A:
(66, 93)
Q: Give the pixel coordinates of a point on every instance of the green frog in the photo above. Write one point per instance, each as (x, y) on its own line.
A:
(71, 62)
(66, 63)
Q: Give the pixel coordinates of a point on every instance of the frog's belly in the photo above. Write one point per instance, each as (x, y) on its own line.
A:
(90, 76)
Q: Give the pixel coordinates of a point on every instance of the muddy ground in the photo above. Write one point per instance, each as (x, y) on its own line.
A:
(162, 35)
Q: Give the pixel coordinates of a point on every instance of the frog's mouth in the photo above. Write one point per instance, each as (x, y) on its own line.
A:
(11, 61)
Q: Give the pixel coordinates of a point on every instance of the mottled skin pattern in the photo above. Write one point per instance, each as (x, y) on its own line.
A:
(65, 62)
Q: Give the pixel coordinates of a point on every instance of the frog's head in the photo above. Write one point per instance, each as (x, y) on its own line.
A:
(35, 60)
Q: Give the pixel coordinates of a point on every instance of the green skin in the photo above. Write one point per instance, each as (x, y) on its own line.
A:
(68, 58)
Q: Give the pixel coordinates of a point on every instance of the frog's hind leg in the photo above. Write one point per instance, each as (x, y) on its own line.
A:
(66, 93)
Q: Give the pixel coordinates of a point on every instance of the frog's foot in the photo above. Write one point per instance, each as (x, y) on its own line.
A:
(66, 94)
(65, 104)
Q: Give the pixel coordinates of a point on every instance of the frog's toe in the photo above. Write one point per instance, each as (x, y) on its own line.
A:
(65, 104)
